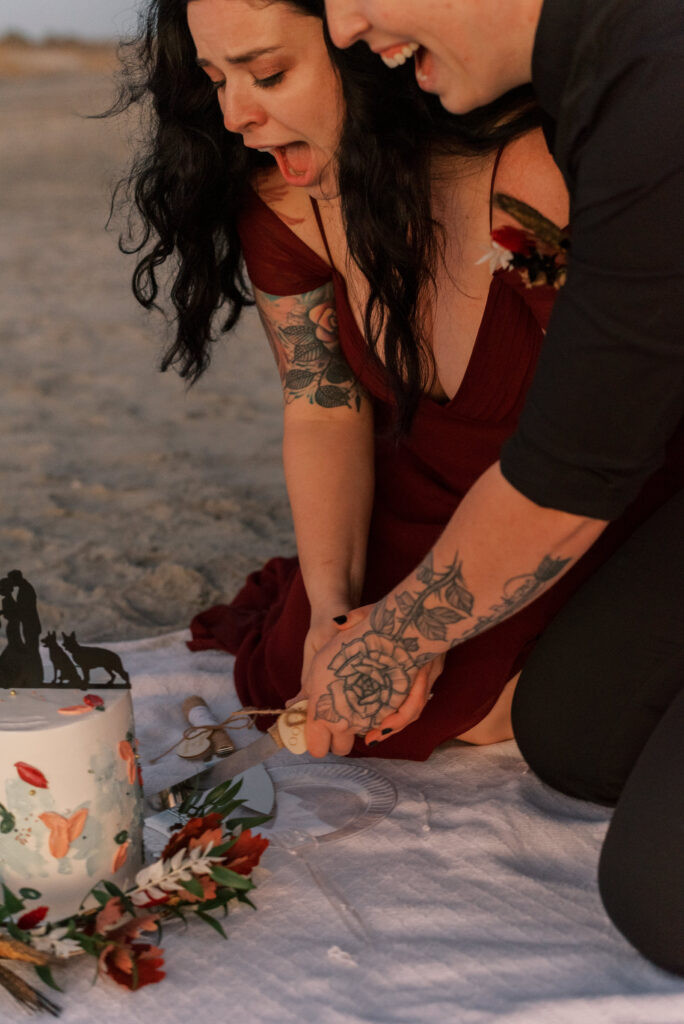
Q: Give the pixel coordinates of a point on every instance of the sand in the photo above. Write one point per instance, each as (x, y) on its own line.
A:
(130, 502)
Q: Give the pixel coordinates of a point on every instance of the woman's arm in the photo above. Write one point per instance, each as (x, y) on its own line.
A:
(498, 552)
(327, 451)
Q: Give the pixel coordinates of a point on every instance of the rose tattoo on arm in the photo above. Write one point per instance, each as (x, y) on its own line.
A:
(373, 674)
(302, 331)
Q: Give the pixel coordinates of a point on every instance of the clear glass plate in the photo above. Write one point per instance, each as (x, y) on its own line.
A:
(328, 802)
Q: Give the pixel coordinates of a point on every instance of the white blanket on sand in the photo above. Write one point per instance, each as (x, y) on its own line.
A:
(489, 914)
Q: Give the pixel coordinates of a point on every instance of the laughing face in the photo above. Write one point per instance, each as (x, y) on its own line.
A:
(468, 52)
(274, 82)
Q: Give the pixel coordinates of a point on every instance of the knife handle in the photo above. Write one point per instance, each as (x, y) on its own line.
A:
(290, 729)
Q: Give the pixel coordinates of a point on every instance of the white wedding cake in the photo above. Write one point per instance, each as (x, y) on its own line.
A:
(70, 795)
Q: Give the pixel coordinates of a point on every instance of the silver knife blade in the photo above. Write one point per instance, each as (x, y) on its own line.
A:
(157, 805)
(240, 761)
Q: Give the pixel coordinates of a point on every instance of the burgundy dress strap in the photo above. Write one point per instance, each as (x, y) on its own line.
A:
(319, 221)
(495, 168)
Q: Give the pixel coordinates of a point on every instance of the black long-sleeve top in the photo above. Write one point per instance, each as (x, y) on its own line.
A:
(609, 389)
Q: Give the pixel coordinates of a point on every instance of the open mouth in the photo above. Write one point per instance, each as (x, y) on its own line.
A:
(295, 163)
(395, 56)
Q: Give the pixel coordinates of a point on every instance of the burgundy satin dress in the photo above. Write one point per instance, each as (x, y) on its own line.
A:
(419, 482)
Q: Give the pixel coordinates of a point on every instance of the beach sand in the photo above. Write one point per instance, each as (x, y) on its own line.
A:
(130, 502)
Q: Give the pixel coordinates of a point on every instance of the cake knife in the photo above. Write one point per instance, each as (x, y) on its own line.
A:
(289, 731)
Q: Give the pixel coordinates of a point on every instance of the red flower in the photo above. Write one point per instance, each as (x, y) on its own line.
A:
(32, 775)
(193, 830)
(32, 918)
(245, 854)
(514, 239)
(133, 964)
(93, 701)
(129, 963)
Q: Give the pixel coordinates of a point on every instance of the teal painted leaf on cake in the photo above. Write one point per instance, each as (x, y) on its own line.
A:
(7, 821)
(30, 894)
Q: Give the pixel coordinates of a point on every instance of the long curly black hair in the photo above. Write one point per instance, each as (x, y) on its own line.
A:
(187, 185)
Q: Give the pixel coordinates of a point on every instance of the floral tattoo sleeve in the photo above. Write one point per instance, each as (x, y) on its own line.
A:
(302, 331)
(373, 673)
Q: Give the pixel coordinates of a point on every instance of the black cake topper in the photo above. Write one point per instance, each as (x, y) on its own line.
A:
(20, 662)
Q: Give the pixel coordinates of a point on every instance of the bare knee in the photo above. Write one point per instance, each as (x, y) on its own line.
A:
(496, 726)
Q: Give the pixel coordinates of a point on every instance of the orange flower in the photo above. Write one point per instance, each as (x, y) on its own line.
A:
(133, 964)
(193, 832)
(129, 963)
(110, 915)
(246, 853)
(208, 890)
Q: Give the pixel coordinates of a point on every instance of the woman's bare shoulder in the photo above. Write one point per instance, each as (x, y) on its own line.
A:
(291, 205)
(528, 171)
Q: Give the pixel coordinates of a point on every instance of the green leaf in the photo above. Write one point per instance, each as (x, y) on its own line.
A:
(224, 876)
(194, 886)
(11, 904)
(225, 790)
(17, 933)
(113, 890)
(88, 944)
(101, 897)
(245, 899)
(216, 925)
(246, 823)
(45, 975)
(220, 902)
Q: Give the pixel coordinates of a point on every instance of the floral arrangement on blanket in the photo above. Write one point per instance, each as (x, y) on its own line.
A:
(206, 864)
(538, 249)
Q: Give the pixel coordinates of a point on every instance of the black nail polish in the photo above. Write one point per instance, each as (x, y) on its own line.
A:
(373, 743)
(340, 619)
(386, 732)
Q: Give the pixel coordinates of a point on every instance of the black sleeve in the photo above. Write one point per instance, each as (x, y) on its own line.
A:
(609, 389)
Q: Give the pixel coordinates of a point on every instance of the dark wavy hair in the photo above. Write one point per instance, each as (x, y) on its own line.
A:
(187, 185)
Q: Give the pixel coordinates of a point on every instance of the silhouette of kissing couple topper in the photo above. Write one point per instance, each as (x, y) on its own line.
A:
(20, 662)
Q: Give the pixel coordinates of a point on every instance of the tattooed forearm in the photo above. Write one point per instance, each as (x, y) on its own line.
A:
(374, 673)
(517, 592)
(302, 331)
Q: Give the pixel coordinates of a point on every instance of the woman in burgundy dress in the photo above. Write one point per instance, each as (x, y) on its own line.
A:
(362, 211)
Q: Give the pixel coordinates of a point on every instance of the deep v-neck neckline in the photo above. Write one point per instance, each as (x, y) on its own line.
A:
(359, 341)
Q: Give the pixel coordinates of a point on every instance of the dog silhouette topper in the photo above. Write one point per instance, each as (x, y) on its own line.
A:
(21, 666)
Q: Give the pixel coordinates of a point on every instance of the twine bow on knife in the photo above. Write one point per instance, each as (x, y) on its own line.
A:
(241, 719)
